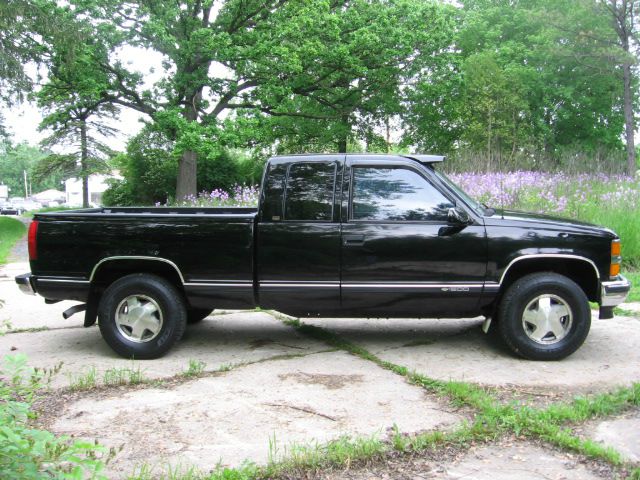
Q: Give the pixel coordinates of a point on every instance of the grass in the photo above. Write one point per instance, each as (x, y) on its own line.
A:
(194, 369)
(31, 213)
(617, 218)
(11, 230)
(115, 376)
(123, 376)
(84, 381)
(634, 277)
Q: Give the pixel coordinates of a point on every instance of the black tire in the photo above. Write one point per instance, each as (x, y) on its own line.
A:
(196, 315)
(544, 295)
(158, 321)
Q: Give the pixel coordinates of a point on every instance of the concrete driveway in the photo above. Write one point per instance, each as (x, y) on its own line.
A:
(259, 386)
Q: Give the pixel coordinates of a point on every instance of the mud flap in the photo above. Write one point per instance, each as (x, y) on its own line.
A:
(91, 313)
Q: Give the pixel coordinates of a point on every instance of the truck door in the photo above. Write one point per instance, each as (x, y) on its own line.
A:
(401, 256)
(298, 242)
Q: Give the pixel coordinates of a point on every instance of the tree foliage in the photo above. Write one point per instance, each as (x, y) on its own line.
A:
(17, 159)
(526, 80)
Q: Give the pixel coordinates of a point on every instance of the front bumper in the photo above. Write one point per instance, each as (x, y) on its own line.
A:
(24, 284)
(614, 292)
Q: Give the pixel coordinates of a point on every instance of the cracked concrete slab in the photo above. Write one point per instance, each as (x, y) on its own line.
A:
(503, 461)
(522, 461)
(217, 341)
(458, 350)
(235, 415)
(622, 433)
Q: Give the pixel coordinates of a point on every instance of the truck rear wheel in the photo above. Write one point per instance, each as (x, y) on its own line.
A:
(544, 316)
(142, 316)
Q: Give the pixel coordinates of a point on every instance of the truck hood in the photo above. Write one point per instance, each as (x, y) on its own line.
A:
(505, 218)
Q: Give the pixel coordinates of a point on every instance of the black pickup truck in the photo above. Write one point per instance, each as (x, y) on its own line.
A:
(334, 235)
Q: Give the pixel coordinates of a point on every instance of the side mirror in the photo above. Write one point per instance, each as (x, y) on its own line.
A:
(459, 216)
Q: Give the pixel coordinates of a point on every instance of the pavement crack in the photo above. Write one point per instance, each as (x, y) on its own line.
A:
(302, 409)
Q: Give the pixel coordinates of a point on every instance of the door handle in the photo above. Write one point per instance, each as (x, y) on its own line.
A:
(353, 240)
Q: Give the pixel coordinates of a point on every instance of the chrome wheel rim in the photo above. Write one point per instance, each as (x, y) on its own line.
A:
(547, 319)
(139, 318)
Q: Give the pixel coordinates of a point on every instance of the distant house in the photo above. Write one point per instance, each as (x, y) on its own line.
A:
(4, 192)
(97, 186)
(50, 196)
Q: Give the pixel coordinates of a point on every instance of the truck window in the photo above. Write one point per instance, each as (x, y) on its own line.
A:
(395, 194)
(272, 193)
(309, 192)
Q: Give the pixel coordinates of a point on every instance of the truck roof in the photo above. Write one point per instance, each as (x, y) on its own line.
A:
(420, 157)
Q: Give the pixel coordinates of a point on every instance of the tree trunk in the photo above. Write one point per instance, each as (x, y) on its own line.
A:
(629, 122)
(187, 182)
(344, 137)
(388, 138)
(84, 163)
(489, 143)
(187, 176)
(623, 21)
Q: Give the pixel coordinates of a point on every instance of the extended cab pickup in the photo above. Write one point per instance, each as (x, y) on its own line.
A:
(334, 235)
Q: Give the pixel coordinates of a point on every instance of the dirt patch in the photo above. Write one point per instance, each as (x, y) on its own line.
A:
(331, 382)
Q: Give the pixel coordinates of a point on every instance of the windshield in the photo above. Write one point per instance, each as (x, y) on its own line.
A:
(459, 192)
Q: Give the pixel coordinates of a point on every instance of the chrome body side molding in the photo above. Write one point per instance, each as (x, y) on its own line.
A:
(135, 257)
(549, 255)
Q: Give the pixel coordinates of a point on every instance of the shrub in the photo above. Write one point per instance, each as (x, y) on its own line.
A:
(31, 453)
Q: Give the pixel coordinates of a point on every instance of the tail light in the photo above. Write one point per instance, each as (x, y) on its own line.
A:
(616, 258)
(32, 240)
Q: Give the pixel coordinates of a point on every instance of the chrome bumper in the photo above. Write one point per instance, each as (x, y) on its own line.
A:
(614, 292)
(24, 284)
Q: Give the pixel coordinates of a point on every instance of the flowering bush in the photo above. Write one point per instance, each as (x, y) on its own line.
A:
(239, 196)
(557, 193)
(612, 201)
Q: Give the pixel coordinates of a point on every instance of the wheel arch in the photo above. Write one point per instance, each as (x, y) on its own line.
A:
(579, 269)
(110, 269)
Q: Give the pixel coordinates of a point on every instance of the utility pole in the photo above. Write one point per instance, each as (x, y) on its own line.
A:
(26, 192)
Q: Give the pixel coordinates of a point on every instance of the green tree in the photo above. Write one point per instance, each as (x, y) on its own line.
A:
(21, 158)
(148, 168)
(77, 100)
(27, 30)
(333, 62)
(524, 78)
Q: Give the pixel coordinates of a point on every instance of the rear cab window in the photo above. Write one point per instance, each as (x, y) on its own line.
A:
(309, 192)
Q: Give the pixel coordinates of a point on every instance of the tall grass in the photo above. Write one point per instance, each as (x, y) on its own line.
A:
(11, 230)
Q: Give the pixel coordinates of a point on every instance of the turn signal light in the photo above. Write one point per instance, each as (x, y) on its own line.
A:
(616, 259)
(614, 270)
(616, 248)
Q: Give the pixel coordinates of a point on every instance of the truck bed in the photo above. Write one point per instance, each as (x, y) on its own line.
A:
(210, 249)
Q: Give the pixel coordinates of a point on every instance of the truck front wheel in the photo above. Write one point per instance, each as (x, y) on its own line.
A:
(141, 316)
(544, 316)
